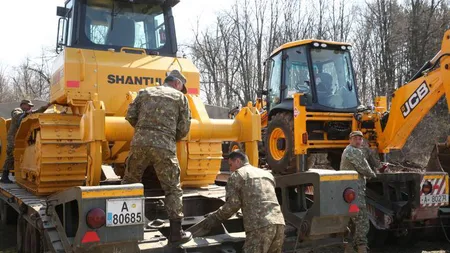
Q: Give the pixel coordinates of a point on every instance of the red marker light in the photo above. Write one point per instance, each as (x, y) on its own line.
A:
(427, 187)
(96, 218)
(90, 236)
(353, 208)
(73, 84)
(305, 138)
(349, 195)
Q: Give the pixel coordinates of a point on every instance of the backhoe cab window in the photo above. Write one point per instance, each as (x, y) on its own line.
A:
(333, 78)
(297, 72)
(124, 24)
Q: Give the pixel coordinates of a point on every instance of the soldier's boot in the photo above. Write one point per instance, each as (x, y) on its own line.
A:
(5, 177)
(177, 235)
(362, 248)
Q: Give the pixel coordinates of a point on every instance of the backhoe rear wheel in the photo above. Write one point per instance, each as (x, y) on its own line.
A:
(280, 143)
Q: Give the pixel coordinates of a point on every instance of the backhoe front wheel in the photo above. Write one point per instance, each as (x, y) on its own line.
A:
(280, 143)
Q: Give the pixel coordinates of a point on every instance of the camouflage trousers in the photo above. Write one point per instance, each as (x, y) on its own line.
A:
(268, 239)
(167, 170)
(9, 161)
(361, 224)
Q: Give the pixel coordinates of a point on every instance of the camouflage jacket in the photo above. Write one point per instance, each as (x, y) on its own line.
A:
(252, 190)
(371, 155)
(355, 159)
(16, 118)
(160, 116)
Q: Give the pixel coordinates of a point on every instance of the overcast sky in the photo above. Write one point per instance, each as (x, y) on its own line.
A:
(28, 25)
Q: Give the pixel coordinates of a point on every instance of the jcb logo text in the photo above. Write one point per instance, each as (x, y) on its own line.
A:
(412, 102)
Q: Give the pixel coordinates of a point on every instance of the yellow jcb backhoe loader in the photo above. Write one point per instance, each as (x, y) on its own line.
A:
(313, 105)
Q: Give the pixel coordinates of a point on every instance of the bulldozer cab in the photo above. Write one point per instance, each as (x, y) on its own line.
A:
(319, 69)
(146, 25)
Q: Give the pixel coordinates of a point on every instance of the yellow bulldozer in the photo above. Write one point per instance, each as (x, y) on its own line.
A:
(68, 161)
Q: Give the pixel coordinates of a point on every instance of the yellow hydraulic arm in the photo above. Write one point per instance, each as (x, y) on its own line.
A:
(411, 102)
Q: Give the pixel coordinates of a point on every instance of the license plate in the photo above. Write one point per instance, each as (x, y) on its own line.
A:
(433, 199)
(123, 212)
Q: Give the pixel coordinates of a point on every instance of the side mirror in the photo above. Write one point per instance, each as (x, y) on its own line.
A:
(61, 11)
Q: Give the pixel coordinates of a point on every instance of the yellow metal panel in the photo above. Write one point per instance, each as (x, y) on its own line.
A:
(445, 62)
(64, 150)
(330, 114)
(299, 126)
(137, 72)
(446, 185)
(112, 193)
(434, 176)
(205, 148)
(3, 141)
(338, 177)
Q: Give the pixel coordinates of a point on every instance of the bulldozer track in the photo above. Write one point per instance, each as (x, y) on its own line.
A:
(50, 155)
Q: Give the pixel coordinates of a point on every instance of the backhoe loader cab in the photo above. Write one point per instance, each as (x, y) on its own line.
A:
(114, 24)
(320, 74)
(321, 70)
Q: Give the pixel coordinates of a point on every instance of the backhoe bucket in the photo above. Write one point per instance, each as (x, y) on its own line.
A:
(439, 158)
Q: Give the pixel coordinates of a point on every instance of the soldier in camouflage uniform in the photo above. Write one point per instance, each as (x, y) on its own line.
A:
(355, 157)
(16, 117)
(161, 117)
(252, 190)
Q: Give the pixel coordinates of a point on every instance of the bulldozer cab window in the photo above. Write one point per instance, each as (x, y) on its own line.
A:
(124, 24)
(274, 80)
(333, 77)
(297, 72)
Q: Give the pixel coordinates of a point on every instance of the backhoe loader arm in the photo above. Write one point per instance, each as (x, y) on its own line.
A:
(411, 102)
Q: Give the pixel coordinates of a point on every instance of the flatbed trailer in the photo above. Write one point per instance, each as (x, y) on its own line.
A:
(56, 224)
(71, 220)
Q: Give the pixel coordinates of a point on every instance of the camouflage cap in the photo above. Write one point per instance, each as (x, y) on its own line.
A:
(26, 101)
(356, 133)
(177, 75)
